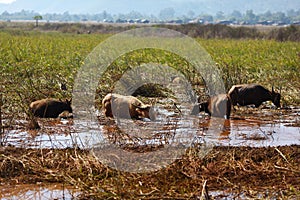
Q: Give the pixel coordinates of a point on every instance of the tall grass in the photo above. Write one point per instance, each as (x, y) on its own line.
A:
(267, 62)
(33, 63)
(140, 57)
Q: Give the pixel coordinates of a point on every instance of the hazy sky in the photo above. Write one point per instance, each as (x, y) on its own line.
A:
(6, 1)
(148, 6)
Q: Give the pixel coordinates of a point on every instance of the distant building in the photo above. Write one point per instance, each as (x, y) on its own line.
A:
(196, 21)
(225, 22)
(296, 23)
(266, 22)
(108, 21)
(175, 21)
(145, 21)
(121, 21)
(130, 21)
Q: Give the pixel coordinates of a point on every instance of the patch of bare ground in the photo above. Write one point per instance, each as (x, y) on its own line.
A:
(235, 170)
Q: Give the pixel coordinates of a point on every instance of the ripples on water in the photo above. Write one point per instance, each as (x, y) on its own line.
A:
(257, 130)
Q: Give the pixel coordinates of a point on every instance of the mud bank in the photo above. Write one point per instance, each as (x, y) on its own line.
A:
(248, 171)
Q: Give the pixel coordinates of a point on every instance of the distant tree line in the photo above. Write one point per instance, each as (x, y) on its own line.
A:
(165, 15)
(206, 31)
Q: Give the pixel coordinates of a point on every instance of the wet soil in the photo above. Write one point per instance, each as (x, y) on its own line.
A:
(266, 172)
(256, 154)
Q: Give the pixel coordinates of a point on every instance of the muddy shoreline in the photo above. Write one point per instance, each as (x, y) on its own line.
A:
(247, 170)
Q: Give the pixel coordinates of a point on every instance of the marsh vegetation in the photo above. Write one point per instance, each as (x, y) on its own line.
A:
(33, 64)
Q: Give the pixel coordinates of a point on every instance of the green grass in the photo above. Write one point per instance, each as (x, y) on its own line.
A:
(267, 62)
(32, 64)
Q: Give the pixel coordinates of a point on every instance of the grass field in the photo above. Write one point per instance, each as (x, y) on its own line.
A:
(259, 61)
(33, 63)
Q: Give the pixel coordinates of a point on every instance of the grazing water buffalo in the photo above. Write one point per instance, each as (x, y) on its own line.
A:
(217, 106)
(248, 94)
(126, 107)
(50, 108)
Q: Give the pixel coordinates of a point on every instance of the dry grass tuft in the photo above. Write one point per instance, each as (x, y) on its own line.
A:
(238, 170)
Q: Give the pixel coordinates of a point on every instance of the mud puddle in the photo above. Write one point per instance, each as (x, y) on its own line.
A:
(37, 192)
(55, 133)
(256, 133)
(249, 127)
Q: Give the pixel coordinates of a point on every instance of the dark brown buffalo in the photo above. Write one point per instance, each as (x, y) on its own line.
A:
(248, 94)
(50, 108)
(216, 106)
(126, 107)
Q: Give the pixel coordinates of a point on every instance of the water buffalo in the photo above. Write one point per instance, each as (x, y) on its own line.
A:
(216, 106)
(50, 108)
(248, 94)
(126, 107)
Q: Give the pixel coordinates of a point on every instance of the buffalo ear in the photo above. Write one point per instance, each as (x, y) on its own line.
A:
(142, 107)
(69, 101)
(145, 107)
(280, 89)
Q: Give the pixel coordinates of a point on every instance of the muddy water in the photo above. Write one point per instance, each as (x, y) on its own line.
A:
(250, 127)
(54, 133)
(256, 133)
(37, 192)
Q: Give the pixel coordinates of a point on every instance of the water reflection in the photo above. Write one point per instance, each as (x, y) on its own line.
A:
(37, 192)
(257, 129)
(257, 133)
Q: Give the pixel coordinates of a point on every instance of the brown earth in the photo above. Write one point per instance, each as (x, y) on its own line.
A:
(268, 172)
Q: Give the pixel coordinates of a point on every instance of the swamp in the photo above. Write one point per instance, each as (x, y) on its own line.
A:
(255, 154)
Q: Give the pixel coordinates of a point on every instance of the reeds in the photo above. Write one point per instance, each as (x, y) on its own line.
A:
(237, 170)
